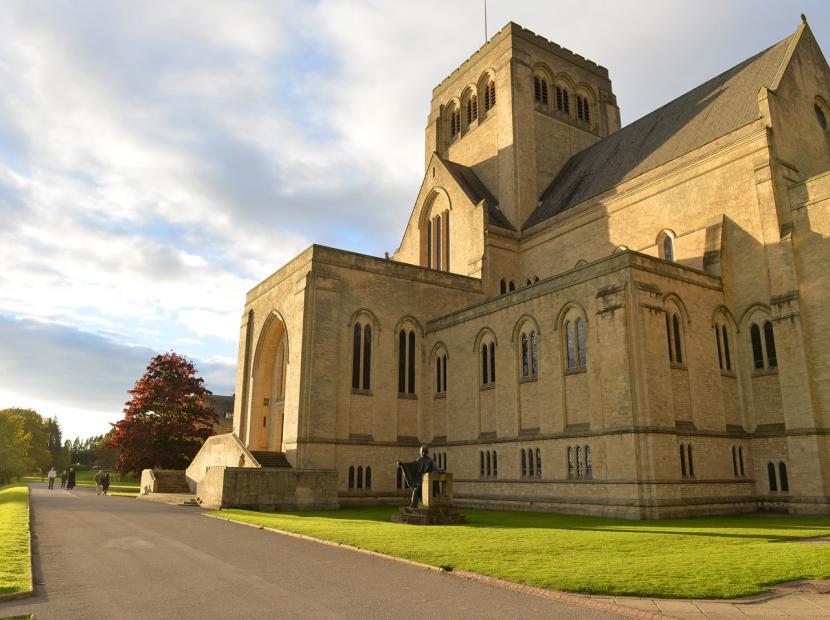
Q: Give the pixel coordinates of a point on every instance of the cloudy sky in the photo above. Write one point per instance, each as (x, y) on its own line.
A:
(157, 159)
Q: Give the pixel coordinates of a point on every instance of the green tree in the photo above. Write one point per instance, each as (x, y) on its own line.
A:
(38, 431)
(14, 447)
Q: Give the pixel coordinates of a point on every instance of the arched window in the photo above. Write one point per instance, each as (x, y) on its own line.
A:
(441, 374)
(769, 341)
(726, 355)
(489, 465)
(578, 462)
(682, 461)
(530, 459)
(368, 477)
(492, 362)
(351, 477)
(782, 475)
(511, 286)
(481, 455)
(525, 356)
(582, 355)
(502, 287)
(668, 249)
(495, 465)
(538, 463)
(773, 485)
(735, 461)
(589, 471)
(757, 350)
(540, 90)
(674, 337)
(490, 97)
(524, 463)
(530, 354)
(563, 103)
(455, 121)
(356, 356)
(485, 366)
(583, 109)
(570, 463)
(472, 109)
(439, 247)
(570, 342)
(406, 362)
(741, 460)
(527, 282)
(429, 245)
(690, 461)
(360, 477)
(534, 353)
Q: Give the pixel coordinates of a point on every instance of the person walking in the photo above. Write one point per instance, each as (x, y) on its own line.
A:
(70, 479)
(99, 476)
(105, 482)
(52, 474)
(63, 479)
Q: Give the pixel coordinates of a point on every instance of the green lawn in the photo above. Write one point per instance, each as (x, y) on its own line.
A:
(85, 479)
(708, 557)
(15, 551)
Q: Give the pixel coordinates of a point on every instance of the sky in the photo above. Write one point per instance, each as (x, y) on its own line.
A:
(158, 159)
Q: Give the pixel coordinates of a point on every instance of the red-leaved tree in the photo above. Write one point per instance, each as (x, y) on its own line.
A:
(166, 420)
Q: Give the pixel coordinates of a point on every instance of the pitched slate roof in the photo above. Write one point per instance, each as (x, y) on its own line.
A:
(476, 191)
(713, 109)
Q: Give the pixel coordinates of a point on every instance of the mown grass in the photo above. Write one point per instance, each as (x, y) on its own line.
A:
(85, 479)
(708, 557)
(15, 550)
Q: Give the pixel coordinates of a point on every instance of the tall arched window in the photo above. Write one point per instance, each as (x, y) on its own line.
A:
(534, 353)
(589, 470)
(524, 463)
(577, 356)
(406, 362)
(757, 350)
(668, 249)
(674, 337)
(525, 356)
(530, 460)
(367, 356)
(741, 460)
(582, 355)
(570, 463)
(351, 477)
(773, 484)
(690, 461)
(530, 354)
(492, 362)
(782, 475)
(481, 458)
(356, 356)
(570, 342)
(726, 355)
(735, 461)
(682, 461)
(722, 342)
(495, 465)
(368, 477)
(485, 365)
(360, 477)
(578, 462)
(538, 463)
(489, 464)
(769, 341)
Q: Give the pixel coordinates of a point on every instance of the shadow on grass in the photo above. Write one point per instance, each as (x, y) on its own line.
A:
(704, 527)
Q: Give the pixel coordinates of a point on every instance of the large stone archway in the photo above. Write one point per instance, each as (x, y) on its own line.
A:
(267, 381)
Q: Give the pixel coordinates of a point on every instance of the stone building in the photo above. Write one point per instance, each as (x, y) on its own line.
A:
(580, 317)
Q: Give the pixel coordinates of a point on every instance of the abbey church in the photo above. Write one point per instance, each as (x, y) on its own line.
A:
(581, 317)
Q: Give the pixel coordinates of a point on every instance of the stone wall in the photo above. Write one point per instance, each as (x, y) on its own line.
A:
(222, 450)
(268, 489)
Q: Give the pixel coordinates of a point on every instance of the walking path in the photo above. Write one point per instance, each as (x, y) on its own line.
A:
(117, 557)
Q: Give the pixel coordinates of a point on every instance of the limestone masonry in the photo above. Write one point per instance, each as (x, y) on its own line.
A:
(580, 317)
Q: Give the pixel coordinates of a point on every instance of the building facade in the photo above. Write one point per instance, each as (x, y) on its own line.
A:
(580, 317)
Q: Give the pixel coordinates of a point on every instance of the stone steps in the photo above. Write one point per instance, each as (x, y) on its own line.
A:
(271, 459)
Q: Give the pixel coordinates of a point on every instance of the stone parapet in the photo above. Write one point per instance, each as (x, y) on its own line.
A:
(268, 489)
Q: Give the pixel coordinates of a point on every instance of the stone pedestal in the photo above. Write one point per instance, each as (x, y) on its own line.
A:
(436, 497)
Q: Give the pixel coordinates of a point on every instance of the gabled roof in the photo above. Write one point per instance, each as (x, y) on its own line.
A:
(713, 109)
(476, 191)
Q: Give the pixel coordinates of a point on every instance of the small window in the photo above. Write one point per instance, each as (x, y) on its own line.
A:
(769, 341)
(472, 110)
(589, 469)
(735, 461)
(368, 477)
(741, 460)
(511, 286)
(495, 465)
(524, 463)
(682, 460)
(502, 287)
(489, 466)
(481, 458)
(782, 475)
(360, 477)
(530, 469)
(538, 463)
(570, 463)
(563, 103)
(690, 461)
(820, 115)
(578, 462)
(351, 477)
(773, 484)
(583, 110)
(668, 249)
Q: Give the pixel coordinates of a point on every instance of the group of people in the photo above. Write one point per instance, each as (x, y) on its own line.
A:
(102, 480)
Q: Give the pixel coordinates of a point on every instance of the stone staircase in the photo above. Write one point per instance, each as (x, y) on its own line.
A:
(169, 481)
(271, 459)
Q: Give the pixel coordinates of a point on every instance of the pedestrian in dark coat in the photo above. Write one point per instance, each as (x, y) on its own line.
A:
(70, 479)
(63, 479)
(105, 482)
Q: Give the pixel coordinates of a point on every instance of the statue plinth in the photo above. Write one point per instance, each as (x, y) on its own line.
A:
(437, 509)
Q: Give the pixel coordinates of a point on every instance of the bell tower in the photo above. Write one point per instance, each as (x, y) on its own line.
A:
(515, 111)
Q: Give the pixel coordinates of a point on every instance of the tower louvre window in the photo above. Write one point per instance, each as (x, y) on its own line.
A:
(472, 110)
(490, 96)
(583, 109)
(563, 100)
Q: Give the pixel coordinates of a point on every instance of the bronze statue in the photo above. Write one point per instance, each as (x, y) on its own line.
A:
(413, 473)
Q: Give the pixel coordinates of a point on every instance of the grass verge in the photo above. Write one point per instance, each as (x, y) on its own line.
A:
(707, 557)
(15, 546)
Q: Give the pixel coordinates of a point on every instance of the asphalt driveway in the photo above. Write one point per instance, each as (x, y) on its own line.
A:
(116, 557)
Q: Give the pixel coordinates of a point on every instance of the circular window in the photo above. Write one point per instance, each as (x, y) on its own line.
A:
(822, 119)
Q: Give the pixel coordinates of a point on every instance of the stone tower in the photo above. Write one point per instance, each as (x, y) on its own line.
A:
(515, 111)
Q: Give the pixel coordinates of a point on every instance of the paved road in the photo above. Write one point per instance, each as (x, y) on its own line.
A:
(116, 557)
